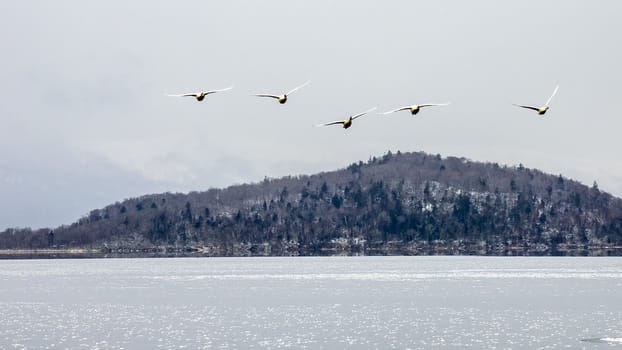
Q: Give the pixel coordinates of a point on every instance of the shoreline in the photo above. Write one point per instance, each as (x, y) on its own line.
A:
(168, 252)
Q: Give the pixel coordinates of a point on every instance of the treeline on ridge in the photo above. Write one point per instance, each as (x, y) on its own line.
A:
(415, 201)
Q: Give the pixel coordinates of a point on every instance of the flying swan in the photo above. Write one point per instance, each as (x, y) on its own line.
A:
(201, 94)
(543, 109)
(347, 122)
(283, 98)
(414, 109)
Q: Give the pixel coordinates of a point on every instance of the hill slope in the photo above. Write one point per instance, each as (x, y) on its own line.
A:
(404, 203)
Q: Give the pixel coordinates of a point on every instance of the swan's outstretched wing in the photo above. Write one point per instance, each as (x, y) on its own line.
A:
(267, 95)
(194, 94)
(528, 107)
(363, 113)
(398, 109)
(220, 90)
(433, 104)
(332, 123)
(298, 87)
(550, 98)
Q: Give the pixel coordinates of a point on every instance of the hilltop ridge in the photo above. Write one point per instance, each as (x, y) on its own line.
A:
(402, 203)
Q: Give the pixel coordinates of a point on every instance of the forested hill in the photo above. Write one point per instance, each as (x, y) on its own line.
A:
(404, 203)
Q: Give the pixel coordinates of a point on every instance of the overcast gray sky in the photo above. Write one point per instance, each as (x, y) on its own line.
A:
(85, 121)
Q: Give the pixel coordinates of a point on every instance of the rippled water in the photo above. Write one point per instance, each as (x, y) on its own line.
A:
(315, 303)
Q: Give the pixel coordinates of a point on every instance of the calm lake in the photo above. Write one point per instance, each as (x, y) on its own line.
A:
(312, 303)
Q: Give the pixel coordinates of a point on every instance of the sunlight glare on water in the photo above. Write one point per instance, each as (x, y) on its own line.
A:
(320, 302)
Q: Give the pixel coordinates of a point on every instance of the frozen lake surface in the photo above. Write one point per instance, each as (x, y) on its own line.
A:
(313, 303)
